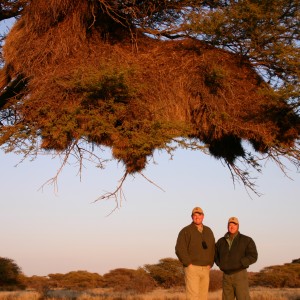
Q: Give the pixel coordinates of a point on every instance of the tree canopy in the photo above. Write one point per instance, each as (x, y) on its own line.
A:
(136, 76)
(9, 274)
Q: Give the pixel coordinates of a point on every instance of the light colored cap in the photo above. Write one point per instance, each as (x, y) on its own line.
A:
(197, 210)
(233, 220)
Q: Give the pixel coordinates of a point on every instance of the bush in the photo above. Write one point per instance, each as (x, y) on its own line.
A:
(76, 280)
(122, 280)
(215, 282)
(283, 276)
(10, 274)
(167, 273)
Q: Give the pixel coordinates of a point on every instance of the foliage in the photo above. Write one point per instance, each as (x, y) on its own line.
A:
(281, 276)
(10, 274)
(11, 8)
(296, 261)
(38, 283)
(84, 74)
(75, 280)
(167, 273)
(265, 32)
(129, 280)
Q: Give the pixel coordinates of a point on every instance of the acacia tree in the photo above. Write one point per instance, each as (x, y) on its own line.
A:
(137, 76)
(9, 274)
(168, 272)
(11, 8)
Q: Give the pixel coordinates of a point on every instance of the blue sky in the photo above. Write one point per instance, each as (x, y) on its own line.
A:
(47, 231)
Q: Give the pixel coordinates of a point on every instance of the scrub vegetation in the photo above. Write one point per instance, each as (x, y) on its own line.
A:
(163, 280)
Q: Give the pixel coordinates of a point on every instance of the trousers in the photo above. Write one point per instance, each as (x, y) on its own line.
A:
(235, 286)
(196, 282)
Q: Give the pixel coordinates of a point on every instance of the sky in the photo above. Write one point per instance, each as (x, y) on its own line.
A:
(47, 230)
(60, 230)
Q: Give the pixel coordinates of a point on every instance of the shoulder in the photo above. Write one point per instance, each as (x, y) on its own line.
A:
(221, 240)
(208, 229)
(187, 228)
(245, 238)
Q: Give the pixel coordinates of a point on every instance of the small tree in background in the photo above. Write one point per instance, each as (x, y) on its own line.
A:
(296, 261)
(168, 272)
(129, 280)
(9, 275)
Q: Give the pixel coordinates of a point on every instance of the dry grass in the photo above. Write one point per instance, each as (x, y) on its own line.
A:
(24, 295)
(159, 294)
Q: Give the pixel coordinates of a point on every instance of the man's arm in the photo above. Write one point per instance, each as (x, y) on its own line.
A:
(250, 254)
(181, 248)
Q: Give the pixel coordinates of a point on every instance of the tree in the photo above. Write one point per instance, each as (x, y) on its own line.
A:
(11, 8)
(9, 274)
(129, 280)
(136, 76)
(168, 272)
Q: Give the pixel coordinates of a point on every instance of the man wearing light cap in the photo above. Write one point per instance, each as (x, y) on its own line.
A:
(235, 252)
(195, 248)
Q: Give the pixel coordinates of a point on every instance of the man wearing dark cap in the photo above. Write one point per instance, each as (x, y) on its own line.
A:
(235, 252)
(195, 248)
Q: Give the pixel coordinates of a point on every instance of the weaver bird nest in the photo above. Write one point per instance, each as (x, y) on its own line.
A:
(74, 72)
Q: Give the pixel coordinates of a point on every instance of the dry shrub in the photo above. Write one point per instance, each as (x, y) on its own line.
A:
(282, 276)
(167, 273)
(215, 282)
(81, 74)
(129, 281)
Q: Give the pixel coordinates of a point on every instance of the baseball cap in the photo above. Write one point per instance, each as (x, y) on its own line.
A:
(197, 210)
(233, 220)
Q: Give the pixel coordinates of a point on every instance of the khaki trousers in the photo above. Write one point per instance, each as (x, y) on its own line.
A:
(196, 282)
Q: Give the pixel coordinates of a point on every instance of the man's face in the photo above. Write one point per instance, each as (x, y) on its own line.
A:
(198, 218)
(233, 228)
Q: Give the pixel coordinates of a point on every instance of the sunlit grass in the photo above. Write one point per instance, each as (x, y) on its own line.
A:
(158, 294)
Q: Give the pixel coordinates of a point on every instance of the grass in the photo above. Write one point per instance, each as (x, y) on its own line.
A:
(158, 294)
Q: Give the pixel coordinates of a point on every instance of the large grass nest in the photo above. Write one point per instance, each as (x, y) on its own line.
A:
(74, 71)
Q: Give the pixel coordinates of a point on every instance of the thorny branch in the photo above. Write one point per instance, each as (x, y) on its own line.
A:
(117, 194)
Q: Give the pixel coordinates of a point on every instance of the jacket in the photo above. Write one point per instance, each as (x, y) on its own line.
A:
(190, 249)
(240, 256)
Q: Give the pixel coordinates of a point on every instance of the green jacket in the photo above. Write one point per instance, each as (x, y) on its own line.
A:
(189, 248)
(241, 254)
